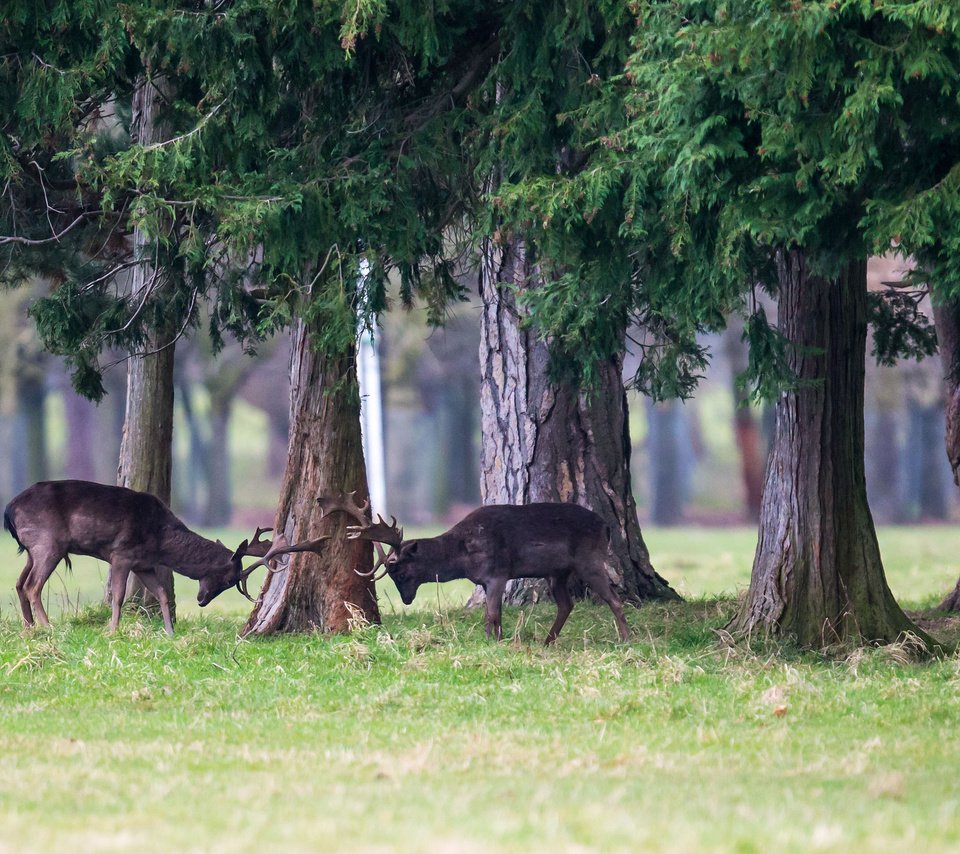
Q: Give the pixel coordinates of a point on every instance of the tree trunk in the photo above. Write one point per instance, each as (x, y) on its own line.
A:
(319, 591)
(146, 450)
(542, 442)
(817, 575)
(947, 318)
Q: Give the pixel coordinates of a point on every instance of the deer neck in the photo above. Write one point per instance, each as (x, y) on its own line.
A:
(190, 554)
(447, 563)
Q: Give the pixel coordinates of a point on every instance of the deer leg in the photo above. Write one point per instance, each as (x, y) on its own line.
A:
(561, 595)
(599, 582)
(118, 580)
(43, 567)
(494, 590)
(22, 593)
(152, 583)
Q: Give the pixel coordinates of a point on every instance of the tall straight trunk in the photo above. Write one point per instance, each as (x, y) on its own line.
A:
(544, 442)
(946, 315)
(319, 591)
(817, 575)
(146, 450)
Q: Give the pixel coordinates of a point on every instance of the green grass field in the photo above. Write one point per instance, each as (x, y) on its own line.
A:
(420, 735)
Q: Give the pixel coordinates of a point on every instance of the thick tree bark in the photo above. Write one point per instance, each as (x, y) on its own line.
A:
(542, 442)
(319, 591)
(817, 575)
(146, 451)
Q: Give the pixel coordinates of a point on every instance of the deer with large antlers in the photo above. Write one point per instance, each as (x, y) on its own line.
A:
(492, 545)
(133, 532)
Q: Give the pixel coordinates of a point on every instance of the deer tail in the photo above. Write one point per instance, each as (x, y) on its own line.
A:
(8, 524)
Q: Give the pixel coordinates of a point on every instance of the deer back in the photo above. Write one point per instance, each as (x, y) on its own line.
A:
(106, 522)
(511, 540)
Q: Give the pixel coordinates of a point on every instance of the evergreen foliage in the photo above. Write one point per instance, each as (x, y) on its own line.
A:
(747, 127)
(651, 154)
(307, 147)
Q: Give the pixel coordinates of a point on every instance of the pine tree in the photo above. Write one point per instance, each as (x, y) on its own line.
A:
(547, 436)
(776, 145)
(301, 149)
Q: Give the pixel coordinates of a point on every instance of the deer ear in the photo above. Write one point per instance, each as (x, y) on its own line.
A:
(241, 550)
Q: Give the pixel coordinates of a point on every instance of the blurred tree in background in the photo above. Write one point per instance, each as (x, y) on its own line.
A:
(620, 175)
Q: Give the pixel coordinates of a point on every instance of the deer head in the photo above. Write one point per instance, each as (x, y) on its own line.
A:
(232, 574)
(379, 532)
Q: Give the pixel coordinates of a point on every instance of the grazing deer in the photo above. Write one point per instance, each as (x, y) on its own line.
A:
(132, 531)
(492, 545)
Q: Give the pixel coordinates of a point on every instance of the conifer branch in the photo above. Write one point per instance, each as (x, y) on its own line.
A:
(55, 238)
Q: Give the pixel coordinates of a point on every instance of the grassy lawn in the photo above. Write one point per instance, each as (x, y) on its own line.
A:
(419, 735)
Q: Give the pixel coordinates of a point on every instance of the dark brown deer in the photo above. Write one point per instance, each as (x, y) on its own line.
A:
(132, 531)
(492, 545)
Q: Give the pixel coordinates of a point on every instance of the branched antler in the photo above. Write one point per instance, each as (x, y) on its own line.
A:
(375, 532)
(258, 547)
(278, 547)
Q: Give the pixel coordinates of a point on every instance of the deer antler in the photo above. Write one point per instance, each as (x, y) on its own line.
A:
(258, 547)
(279, 547)
(375, 532)
(378, 532)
